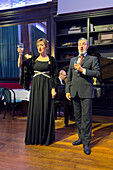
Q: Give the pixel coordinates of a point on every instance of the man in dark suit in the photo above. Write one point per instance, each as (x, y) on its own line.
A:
(79, 88)
(61, 78)
(61, 96)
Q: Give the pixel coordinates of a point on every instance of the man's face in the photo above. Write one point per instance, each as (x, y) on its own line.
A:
(82, 47)
(63, 75)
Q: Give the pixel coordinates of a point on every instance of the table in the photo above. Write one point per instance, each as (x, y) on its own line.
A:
(22, 94)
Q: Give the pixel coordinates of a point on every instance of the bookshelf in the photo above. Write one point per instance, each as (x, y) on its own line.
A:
(89, 25)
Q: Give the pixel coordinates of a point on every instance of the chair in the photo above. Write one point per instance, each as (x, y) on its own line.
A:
(58, 105)
(10, 100)
(61, 101)
(1, 98)
(60, 96)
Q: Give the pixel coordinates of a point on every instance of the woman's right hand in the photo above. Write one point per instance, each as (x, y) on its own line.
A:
(53, 92)
(20, 50)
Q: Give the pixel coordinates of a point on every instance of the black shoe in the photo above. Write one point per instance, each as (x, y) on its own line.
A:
(72, 118)
(66, 125)
(78, 142)
(87, 150)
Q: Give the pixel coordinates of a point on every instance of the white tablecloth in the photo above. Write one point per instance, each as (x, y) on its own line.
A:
(22, 94)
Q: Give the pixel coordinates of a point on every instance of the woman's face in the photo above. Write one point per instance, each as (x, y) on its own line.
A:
(41, 47)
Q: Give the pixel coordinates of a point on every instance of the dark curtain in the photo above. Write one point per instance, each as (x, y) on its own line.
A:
(8, 52)
(8, 48)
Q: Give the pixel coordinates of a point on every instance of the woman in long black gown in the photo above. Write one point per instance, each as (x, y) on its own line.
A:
(40, 123)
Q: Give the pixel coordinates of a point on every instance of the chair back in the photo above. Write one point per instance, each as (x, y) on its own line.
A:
(7, 95)
(9, 99)
(61, 92)
(2, 93)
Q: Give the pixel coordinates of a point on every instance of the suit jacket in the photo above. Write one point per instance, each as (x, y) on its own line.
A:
(59, 82)
(61, 90)
(79, 83)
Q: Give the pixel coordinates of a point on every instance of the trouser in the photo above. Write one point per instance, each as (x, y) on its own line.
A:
(83, 117)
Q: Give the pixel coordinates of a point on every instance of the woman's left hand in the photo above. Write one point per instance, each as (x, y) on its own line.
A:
(53, 92)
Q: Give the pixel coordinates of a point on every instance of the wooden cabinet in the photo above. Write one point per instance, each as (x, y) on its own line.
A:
(96, 26)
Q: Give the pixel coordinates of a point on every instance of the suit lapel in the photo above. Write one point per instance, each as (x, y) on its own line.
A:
(76, 59)
(85, 59)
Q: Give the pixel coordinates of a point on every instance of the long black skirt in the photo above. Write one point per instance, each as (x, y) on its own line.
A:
(40, 123)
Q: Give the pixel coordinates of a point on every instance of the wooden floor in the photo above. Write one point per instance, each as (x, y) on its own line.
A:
(61, 155)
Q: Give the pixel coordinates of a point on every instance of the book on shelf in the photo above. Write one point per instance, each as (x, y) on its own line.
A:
(91, 28)
(90, 40)
(69, 44)
(74, 28)
(74, 31)
(108, 27)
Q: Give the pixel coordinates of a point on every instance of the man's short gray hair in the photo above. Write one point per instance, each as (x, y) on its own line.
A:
(83, 39)
(61, 72)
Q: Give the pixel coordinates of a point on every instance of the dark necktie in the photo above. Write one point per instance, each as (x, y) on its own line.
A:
(81, 58)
